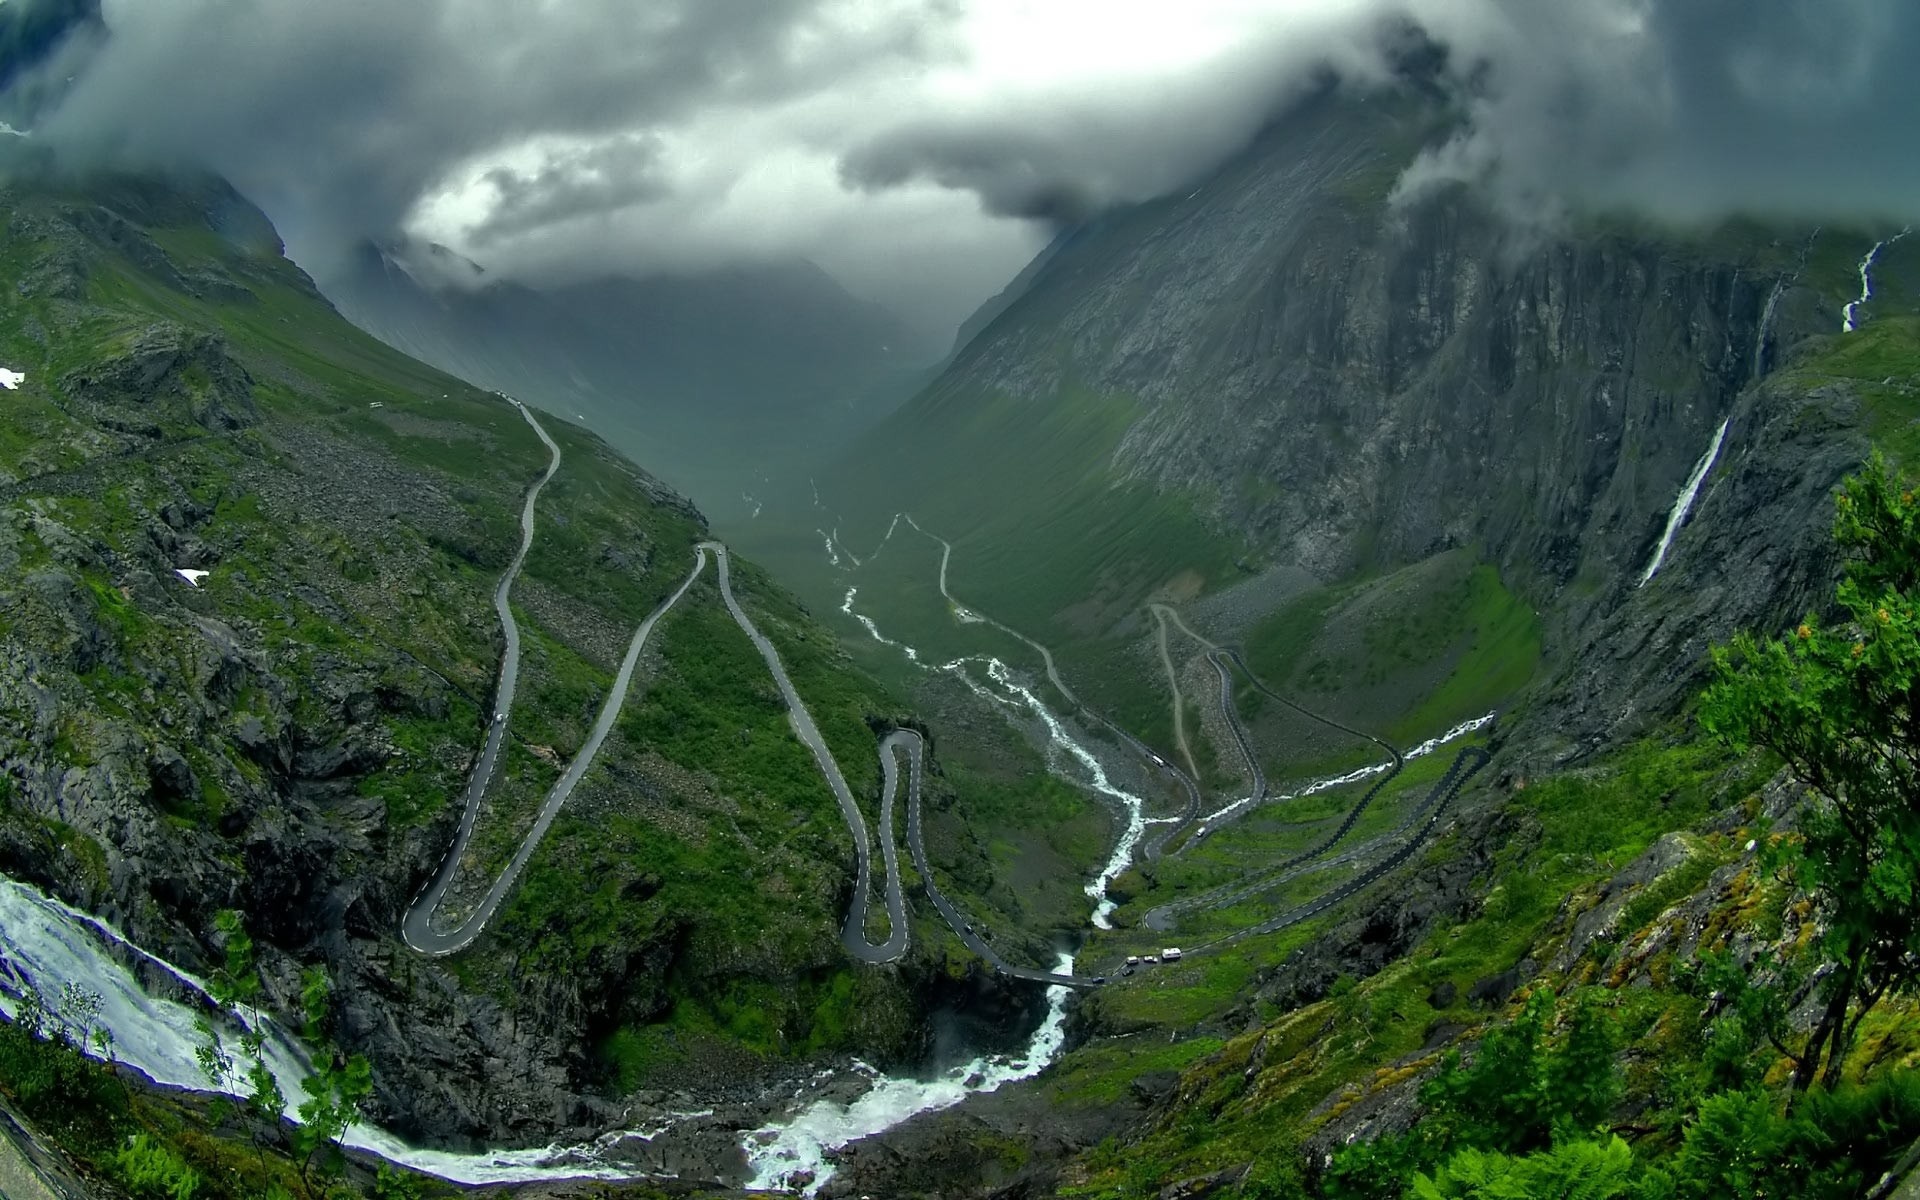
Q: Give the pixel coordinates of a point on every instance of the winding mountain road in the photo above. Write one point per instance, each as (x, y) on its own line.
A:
(1234, 811)
(854, 934)
(1414, 828)
(417, 928)
(1184, 781)
(1465, 765)
(909, 743)
(1179, 704)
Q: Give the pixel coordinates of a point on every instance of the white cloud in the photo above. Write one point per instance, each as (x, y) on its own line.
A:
(905, 144)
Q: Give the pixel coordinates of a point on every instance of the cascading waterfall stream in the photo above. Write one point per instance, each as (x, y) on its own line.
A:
(1132, 806)
(1214, 820)
(1849, 316)
(1060, 745)
(46, 945)
(866, 622)
(795, 1153)
(1684, 503)
(1766, 324)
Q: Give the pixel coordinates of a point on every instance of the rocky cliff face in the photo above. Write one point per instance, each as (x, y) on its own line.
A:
(1350, 384)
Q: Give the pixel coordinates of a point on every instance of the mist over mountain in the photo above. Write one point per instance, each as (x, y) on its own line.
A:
(41, 43)
(979, 599)
(717, 378)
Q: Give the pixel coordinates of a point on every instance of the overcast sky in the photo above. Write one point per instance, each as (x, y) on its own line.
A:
(921, 150)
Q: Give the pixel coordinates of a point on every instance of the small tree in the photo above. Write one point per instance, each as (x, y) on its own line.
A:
(1840, 704)
(334, 1097)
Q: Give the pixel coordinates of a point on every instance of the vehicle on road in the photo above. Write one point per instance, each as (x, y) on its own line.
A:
(1133, 960)
(1151, 960)
(1170, 954)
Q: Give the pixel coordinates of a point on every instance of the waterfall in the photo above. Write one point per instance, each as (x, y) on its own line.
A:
(1684, 502)
(1849, 320)
(48, 946)
(1766, 324)
(795, 1154)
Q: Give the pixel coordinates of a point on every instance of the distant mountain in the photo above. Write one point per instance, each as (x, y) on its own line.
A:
(714, 380)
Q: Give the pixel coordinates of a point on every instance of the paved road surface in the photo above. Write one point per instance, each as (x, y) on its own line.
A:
(854, 934)
(1231, 711)
(1173, 685)
(415, 927)
(906, 741)
(1465, 765)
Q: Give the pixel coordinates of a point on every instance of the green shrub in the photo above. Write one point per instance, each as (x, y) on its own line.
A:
(148, 1169)
(1575, 1171)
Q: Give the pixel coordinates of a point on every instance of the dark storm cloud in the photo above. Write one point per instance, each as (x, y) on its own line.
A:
(1061, 153)
(919, 148)
(339, 116)
(574, 183)
(1689, 109)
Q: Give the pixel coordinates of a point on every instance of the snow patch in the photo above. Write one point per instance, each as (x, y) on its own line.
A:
(11, 380)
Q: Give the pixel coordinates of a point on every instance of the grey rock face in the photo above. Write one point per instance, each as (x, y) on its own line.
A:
(170, 371)
(1352, 385)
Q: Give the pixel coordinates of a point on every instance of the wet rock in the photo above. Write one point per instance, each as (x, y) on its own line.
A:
(1201, 1186)
(1153, 1087)
(1669, 853)
(173, 778)
(1493, 990)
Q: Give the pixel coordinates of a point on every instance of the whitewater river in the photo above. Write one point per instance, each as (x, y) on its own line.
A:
(47, 945)
(795, 1151)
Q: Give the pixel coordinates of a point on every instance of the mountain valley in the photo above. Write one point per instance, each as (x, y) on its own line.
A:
(1255, 721)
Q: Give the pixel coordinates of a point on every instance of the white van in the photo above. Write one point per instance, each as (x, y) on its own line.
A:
(1170, 954)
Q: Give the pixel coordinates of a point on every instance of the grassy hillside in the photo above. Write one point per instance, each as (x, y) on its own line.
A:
(291, 737)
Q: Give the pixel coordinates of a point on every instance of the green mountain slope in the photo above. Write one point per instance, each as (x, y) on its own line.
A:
(290, 737)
